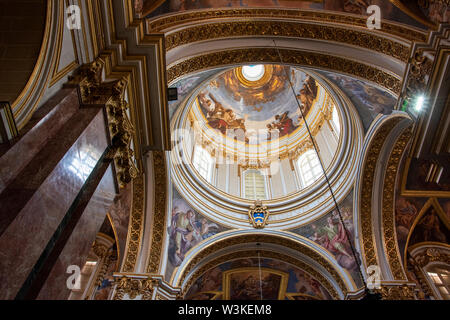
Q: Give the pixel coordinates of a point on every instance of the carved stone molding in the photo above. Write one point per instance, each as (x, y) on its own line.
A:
(430, 255)
(135, 287)
(388, 211)
(289, 56)
(159, 214)
(93, 92)
(288, 29)
(148, 287)
(417, 77)
(167, 22)
(365, 211)
(396, 292)
(135, 226)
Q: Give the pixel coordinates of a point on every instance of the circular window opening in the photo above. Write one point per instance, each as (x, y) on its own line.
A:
(253, 72)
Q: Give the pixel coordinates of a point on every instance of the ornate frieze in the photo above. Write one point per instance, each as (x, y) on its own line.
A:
(367, 239)
(289, 56)
(134, 287)
(171, 21)
(417, 77)
(388, 213)
(288, 29)
(397, 292)
(144, 287)
(136, 225)
(159, 214)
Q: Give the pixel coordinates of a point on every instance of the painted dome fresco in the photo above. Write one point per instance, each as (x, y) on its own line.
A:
(255, 104)
(240, 134)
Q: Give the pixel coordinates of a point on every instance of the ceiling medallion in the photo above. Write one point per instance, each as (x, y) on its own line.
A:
(258, 215)
(254, 76)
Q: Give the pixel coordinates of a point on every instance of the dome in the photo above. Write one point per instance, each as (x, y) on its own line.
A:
(241, 137)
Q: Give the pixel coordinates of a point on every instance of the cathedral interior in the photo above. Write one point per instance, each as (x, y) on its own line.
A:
(224, 150)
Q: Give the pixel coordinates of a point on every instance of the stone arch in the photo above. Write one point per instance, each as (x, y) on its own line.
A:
(29, 88)
(374, 214)
(288, 247)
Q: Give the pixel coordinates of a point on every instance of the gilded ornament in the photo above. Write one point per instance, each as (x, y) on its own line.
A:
(159, 215)
(289, 56)
(258, 215)
(388, 213)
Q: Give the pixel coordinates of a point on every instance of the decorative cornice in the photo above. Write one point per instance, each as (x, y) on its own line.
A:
(135, 287)
(135, 226)
(167, 22)
(289, 56)
(93, 92)
(429, 255)
(288, 29)
(388, 213)
(159, 215)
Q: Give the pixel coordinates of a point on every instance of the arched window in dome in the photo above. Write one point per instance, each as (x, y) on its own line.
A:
(203, 163)
(309, 167)
(254, 185)
(335, 121)
(440, 279)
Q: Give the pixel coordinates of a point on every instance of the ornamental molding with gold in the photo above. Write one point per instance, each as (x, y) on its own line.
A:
(136, 225)
(289, 29)
(169, 22)
(289, 56)
(143, 287)
(194, 261)
(388, 210)
(159, 214)
(367, 239)
(93, 92)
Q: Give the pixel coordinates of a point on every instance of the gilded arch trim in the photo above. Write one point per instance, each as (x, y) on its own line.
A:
(258, 238)
(388, 211)
(167, 22)
(367, 239)
(289, 29)
(264, 254)
(431, 203)
(293, 57)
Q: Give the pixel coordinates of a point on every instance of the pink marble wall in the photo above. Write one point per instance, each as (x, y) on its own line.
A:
(44, 124)
(24, 240)
(77, 248)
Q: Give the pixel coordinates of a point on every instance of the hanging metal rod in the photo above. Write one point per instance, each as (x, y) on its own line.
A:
(323, 169)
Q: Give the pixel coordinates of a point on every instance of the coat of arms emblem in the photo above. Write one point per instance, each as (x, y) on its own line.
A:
(258, 215)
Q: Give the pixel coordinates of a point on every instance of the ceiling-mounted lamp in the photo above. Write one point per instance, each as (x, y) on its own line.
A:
(419, 104)
(415, 106)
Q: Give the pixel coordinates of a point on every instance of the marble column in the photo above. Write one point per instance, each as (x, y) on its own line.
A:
(36, 201)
